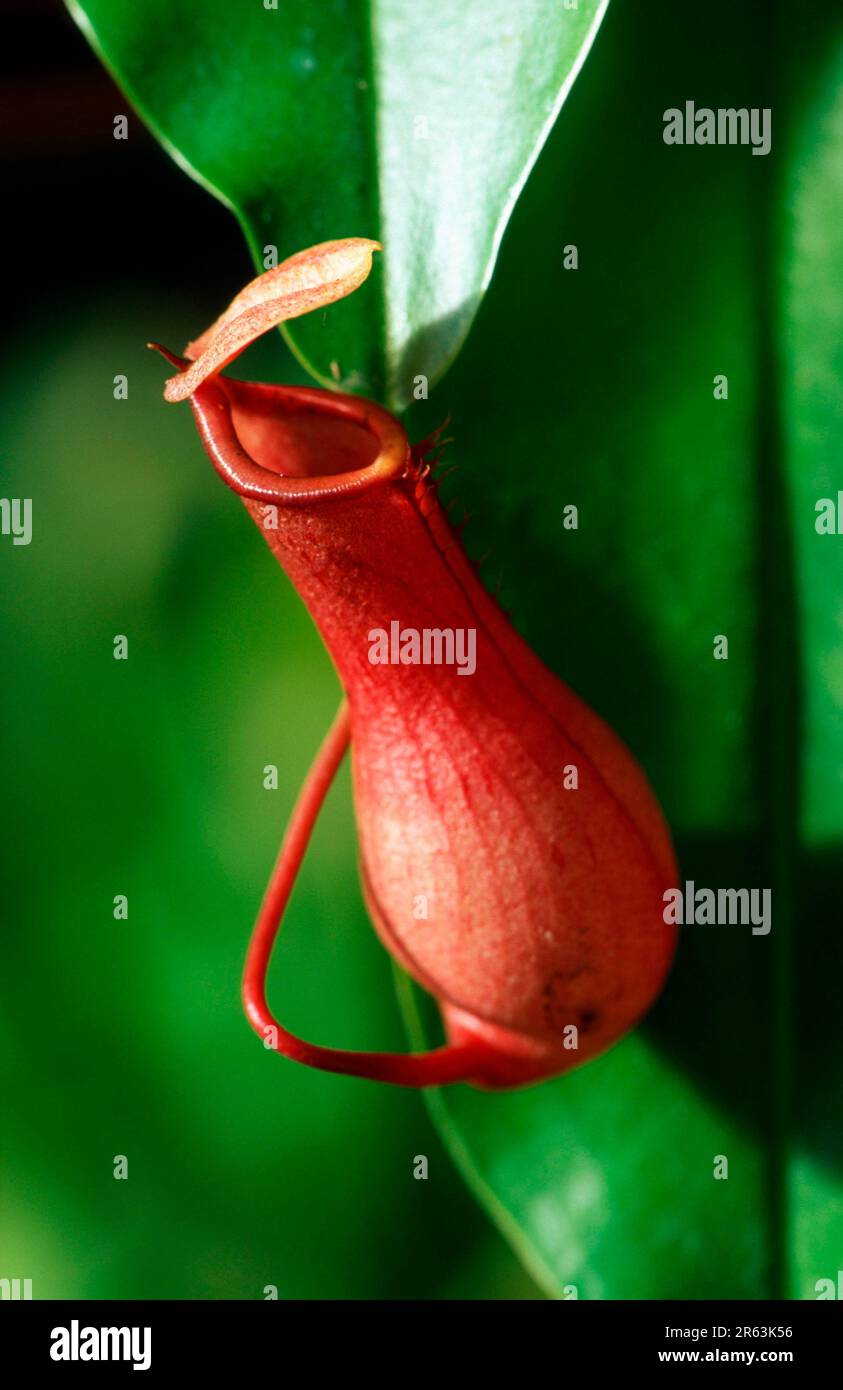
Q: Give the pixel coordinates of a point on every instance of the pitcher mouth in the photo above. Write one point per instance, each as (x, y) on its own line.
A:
(295, 444)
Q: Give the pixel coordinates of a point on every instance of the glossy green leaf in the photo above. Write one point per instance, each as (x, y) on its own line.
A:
(589, 1178)
(413, 123)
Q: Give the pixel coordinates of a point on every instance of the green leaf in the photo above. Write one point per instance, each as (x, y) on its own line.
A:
(586, 1180)
(413, 123)
(811, 376)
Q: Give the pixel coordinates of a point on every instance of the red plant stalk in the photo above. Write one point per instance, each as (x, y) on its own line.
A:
(513, 856)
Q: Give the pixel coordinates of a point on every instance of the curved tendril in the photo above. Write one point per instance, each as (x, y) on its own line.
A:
(455, 1062)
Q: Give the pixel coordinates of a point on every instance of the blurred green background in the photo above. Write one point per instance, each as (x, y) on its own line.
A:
(144, 777)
